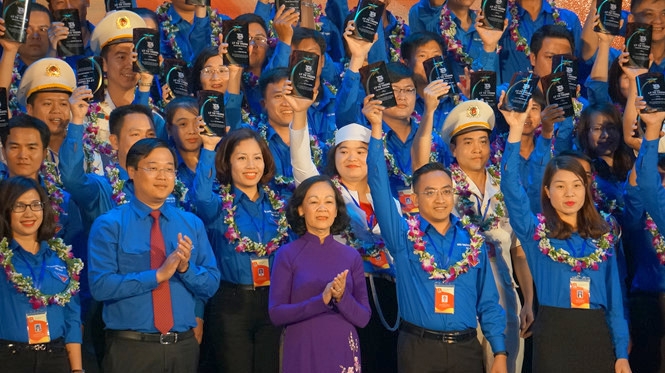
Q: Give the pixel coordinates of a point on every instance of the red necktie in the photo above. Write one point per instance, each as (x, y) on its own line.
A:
(161, 296)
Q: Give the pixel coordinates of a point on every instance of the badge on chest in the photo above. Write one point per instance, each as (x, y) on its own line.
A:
(444, 299)
(261, 272)
(37, 323)
(580, 292)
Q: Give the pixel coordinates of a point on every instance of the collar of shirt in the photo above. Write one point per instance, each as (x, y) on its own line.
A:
(458, 22)
(326, 96)
(390, 134)
(142, 210)
(545, 9)
(175, 17)
(241, 197)
(426, 227)
(315, 240)
(43, 250)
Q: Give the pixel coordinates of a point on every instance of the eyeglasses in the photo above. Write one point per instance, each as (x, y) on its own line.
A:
(258, 40)
(222, 70)
(34, 206)
(444, 192)
(404, 91)
(152, 171)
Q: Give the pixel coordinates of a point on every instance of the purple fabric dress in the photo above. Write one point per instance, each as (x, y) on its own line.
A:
(318, 338)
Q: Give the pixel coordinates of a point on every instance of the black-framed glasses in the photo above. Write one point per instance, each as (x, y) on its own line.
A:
(34, 206)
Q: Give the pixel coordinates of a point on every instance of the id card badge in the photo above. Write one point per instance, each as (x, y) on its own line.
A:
(37, 327)
(406, 201)
(444, 299)
(261, 272)
(380, 260)
(580, 288)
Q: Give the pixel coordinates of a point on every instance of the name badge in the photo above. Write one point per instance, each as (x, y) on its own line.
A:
(580, 292)
(406, 201)
(444, 299)
(37, 323)
(261, 272)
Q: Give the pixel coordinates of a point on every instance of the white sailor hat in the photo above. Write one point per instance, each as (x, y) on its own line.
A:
(353, 131)
(46, 74)
(468, 116)
(116, 27)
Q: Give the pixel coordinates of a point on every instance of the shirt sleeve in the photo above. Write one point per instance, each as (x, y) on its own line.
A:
(206, 202)
(83, 187)
(521, 218)
(301, 155)
(354, 305)
(281, 311)
(615, 315)
(563, 136)
(387, 215)
(491, 316)
(72, 315)
(346, 109)
(233, 110)
(106, 281)
(648, 181)
(199, 35)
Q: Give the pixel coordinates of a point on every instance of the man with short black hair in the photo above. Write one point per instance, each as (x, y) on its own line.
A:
(151, 276)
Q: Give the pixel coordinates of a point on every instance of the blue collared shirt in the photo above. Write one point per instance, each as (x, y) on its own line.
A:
(552, 278)
(190, 38)
(476, 297)
(281, 154)
(511, 60)
(120, 273)
(63, 321)
(533, 168)
(255, 219)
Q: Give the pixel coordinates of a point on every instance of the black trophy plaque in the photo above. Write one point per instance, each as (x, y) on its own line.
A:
(211, 108)
(438, 68)
(651, 86)
(557, 91)
(567, 63)
(303, 67)
(520, 91)
(236, 35)
(483, 86)
(146, 45)
(89, 73)
(73, 45)
(175, 73)
(494, 12)
(16, 13)
(374, 78)
(609, 12)
(368, 18)
(638, 44)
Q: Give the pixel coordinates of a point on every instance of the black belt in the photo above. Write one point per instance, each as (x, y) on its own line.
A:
(165, 339)
(232, 286)
(56, 344)
(447, 337)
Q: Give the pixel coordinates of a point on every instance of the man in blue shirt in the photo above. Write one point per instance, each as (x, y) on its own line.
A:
(530, 16)
(444, 280)
(149, 301)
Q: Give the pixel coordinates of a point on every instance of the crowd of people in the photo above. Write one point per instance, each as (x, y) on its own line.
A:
(336, 233)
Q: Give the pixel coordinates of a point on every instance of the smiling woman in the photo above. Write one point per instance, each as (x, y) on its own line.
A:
(43, 327)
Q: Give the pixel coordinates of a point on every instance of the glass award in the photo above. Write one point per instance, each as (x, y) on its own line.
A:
(175, 74)
(89, 73)
(520, 91)
(16, 13)
(557, 91)
(638, 44)
(303, 67)
(375, 79)
(236, 35)
(73, 45)
(368, 18)
(146, 46)
(495, 13)
(610, 16)
(483, 86)
(651, 86)
(211, 109)
(567, 63)
(438, 68)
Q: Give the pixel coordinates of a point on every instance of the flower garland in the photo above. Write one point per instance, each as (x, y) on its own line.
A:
(393, 169)
(24, 284)
(521, 43)
(600, 199)
(396, 37)
(12, 94)
(364, 248)
(331, 87)
(169, 30)
(91, 143)
(603, 247)
(427, 260)
(52, 184)
(245, 244)
(117, 184)
(448, 30)
(657, 239)
(280, 180)
(464, 204)
(318, 12)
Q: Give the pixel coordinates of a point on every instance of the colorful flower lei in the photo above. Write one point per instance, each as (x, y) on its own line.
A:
(396, 37)
(91, 143)
(24, 284)
(521, 43)
(448, 30)
(390, 158)
(427, 260)
(117, 184)
(12, 94)
(465, 205)
(245, 244)
(600, 199)
(53, 187)
(657, 239)
(169, 30)
(318, 12)
(602, 252)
